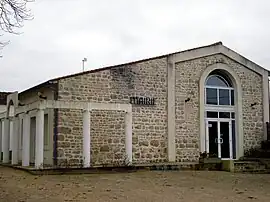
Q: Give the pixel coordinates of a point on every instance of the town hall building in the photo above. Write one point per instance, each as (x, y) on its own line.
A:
(168, 108)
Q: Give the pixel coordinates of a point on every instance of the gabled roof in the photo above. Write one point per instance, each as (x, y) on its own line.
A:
(215, 48)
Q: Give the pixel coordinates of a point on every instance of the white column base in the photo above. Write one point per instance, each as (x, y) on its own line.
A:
(86, 139)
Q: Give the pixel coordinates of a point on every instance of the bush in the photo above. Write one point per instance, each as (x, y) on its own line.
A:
(265, 145)
(257, 153)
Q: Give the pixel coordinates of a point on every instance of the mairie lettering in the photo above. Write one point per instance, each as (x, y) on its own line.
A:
(142, 101)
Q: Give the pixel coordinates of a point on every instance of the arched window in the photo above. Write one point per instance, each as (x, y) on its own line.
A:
(219, 90)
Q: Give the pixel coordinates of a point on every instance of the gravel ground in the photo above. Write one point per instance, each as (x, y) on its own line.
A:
(140, 186)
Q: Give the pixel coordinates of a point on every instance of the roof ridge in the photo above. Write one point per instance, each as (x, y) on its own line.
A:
(117, 65)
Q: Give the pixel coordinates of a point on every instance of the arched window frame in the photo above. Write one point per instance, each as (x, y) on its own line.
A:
(218, 89)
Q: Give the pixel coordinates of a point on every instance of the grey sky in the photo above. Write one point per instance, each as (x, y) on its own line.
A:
(107, 32)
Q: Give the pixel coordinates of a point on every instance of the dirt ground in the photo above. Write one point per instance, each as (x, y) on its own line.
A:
(139, 186)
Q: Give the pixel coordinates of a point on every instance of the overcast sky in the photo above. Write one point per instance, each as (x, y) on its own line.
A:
(110, 32)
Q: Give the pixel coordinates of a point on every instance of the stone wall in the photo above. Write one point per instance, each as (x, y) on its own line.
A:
(188, 75)
(116, 85)
(148, 78)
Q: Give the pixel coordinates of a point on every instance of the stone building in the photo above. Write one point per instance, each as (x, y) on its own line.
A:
(162, 109)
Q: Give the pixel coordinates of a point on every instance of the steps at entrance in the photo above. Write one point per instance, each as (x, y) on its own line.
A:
(266, 162)
(250, 166)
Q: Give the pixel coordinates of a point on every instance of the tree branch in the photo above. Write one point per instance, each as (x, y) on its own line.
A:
(12, 15)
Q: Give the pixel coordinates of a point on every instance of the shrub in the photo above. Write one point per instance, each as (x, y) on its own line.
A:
(265, 145)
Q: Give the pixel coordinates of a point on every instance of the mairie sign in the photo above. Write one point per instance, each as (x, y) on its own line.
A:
(142, 100)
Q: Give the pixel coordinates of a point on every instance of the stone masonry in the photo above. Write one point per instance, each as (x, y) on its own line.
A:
(188, 75)
(116, 85)
(148, 78)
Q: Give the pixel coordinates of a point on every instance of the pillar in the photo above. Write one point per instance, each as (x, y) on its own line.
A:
(86, 139)
(39, 150)
(15, 141)
(26, 140)
(265, 102)
(171, 111)
(20, 127)
(5, 141)
(10, 134)
(128, 133)
(1, 140)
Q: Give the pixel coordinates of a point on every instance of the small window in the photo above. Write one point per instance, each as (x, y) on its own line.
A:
(224, 97)
(216, 80)
(219, 90)
(211, 96)
(224, 115)
(46, 131)
(233, 139)
(232, 97)
(212, 114)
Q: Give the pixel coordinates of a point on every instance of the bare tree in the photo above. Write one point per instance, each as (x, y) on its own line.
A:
(12, 15)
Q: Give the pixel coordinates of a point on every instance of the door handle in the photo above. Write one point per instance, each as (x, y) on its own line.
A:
(221, 140)
(216, 140)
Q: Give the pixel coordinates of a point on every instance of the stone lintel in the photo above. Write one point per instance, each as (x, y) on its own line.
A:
(51, 104)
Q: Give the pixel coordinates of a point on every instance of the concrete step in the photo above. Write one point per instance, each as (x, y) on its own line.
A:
(250, 166)
(266, 162)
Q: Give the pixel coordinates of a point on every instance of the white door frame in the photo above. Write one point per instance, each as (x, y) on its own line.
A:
(219, 120)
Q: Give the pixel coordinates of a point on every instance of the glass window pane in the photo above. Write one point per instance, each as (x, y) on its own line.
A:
(232, 97)
(224, 98)
(233, 139)
(216, 81)
(225, 135)
(212, 115)
(213, 136)
(233, 115)
(224, 114)
(46, 132)
(211, 96)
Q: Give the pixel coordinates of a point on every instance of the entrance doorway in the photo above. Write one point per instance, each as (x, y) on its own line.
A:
(219, 140)
(219, 116)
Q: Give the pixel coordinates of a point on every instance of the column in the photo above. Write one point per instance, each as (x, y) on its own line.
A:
(15, 141)
(10, 135)
(171, 110)
(128, 133)
(265, 102)
(1, 140)
(86, 139)
(20, 127)
(39, 151)
(26, 140)
(5, 141)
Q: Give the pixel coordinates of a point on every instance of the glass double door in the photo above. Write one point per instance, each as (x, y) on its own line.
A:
(219, 138)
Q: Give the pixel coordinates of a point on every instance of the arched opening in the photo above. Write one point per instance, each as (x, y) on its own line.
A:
(9, 125)
(221, 131)
(220, 115)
